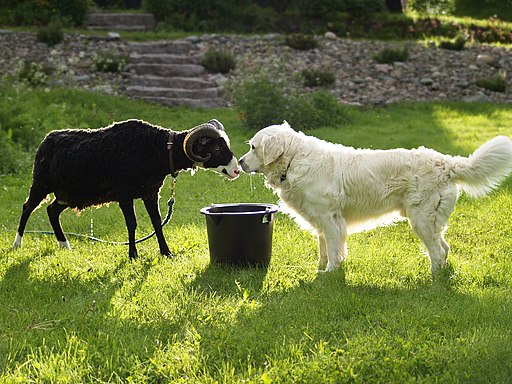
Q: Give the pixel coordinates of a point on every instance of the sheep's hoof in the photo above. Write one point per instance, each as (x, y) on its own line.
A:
(17, 242)
(132, 254)
(167, 252)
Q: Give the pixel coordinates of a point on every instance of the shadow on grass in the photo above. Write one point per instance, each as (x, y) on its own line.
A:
(288, 325)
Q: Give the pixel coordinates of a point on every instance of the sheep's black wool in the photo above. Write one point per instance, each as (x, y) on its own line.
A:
(122, 162)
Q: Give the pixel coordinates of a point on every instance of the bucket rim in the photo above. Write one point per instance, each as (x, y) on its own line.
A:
(269, 208)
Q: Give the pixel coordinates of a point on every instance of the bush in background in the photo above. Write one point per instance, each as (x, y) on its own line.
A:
(41, 12)
(301, 42)
(218, 61)
(262, 102)
(496, 83)
(32, 74)
(109, 62)
(484, 9)
(51, 34)
(456, 44)
(391, 55)
(259, 103)
(318, 77)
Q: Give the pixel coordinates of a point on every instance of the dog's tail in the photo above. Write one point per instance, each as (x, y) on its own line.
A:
(486, 168)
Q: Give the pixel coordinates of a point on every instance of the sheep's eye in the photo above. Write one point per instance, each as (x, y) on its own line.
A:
(252, 147)
(216, 148)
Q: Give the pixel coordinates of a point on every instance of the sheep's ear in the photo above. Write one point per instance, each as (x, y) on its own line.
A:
(272, 149)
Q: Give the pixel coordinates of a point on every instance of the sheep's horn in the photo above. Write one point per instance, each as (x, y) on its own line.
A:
(203, 130)
(217, 124)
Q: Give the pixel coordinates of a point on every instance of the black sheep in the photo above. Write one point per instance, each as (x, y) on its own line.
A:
(121, 162)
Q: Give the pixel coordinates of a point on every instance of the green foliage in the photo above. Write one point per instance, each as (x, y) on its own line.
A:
(484, 9)
(41, 12)
(496, 83)
(218, 61)
(318, 77)
(432, 6)
(51, 34)
(259, 103)
(456, 44)
(262, 102)
(12, 158)
(313, 110)
(391, 55)
(109, 62)
(301, 42)
(32, 74)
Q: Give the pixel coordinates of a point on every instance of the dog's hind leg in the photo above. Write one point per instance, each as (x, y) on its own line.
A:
(428, 222)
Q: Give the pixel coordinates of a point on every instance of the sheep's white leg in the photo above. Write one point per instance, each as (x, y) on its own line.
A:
(64, 244)
(17, 241)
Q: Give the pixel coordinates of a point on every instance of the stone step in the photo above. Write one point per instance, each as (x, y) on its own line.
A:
(125, 28)
(171, 82)
(166, 70)
(121, 21)
(162, 58)
(195, 103)
(173, 93)
(177, 47)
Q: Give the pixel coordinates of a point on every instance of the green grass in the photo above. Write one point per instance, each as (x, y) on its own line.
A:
(90, 315)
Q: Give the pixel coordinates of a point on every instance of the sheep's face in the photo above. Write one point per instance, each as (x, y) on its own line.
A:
(221, 157)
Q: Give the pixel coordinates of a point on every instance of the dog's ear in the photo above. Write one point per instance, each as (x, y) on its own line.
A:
(272, 149)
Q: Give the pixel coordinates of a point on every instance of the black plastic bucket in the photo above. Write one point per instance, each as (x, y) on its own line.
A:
(240, 234)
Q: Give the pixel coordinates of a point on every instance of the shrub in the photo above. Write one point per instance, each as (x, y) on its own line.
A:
(109, 62)
(313, 110)
(261, 103)
(37, 12)
(433, 6)
(301, 42)
(12, 158)
(496, 83)
(51, 34)
(456, 44)
(318, 77)
(32, 74)
(218, 61)
(391, 55)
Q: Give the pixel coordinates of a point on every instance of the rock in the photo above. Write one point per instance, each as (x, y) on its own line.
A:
(479, 97)
(383, 68)
(82, 78)
(330, 35)
(487, 59)
(113, 36)
(426, 81)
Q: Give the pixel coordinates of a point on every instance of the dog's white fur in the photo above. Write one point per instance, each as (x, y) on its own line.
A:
(340, 190)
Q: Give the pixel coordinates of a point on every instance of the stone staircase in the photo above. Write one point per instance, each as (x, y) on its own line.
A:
(166, 72)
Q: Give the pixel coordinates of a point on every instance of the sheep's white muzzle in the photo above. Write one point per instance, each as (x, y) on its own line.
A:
(231, 170)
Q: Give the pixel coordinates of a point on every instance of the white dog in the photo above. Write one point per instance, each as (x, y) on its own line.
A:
(340, 190)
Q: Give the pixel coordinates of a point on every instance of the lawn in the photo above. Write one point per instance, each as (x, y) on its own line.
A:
(91, 315)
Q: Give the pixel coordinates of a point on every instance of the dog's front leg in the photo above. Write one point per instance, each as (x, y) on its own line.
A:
(335, 238)
(322, 246)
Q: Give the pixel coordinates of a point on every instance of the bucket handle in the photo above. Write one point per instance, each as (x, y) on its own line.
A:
(267, 217)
